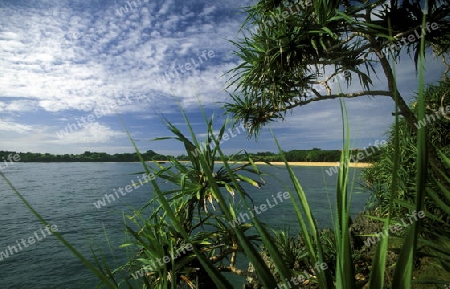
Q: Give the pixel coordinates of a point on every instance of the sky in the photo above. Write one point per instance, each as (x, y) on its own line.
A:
(74, 74)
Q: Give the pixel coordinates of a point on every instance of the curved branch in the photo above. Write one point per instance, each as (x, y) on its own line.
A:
(333, 96)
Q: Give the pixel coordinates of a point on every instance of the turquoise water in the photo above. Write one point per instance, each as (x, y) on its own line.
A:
(64, 193)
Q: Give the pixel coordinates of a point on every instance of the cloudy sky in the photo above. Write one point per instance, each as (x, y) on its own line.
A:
(70, 68)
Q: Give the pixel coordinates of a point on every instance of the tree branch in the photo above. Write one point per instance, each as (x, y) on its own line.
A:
(333, 96)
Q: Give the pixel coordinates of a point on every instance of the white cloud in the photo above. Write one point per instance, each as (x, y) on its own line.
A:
(89, 134)
(18, 106)
(7, 126)
(207, 11)
(66, 60)
(71, 59)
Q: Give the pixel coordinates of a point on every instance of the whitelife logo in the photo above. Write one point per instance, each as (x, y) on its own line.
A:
(359, 156)
(225, 137)
(394, 228)
(182, 69)
(243, 217)
(11, 158)
(429, 118)
(27, 242)
(128, 189)
(124, 9)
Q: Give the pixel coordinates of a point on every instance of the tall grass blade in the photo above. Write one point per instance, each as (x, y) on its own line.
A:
(377, 275)
(404, 267)
(309, 229)
(344, 262)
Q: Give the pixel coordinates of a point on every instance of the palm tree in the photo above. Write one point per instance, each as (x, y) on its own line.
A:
(290, 42)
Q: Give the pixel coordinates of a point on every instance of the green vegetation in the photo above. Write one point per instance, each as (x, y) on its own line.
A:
(87, 156)
(284, 53)
(313, 155)
(397, 201)
(378, 178)
(205, 199)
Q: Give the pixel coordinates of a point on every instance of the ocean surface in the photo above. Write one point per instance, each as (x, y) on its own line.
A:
(65, 193)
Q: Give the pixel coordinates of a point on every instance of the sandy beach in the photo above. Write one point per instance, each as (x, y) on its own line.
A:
(305, 164)
(320, 164)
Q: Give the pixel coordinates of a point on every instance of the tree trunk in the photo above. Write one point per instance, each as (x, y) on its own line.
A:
(435, 162)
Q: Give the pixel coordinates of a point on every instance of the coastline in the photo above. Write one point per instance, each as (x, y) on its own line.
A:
(305, 164)
(319, 164)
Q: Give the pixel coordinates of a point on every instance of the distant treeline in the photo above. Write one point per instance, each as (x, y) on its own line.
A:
(314, 155)
(87, 156)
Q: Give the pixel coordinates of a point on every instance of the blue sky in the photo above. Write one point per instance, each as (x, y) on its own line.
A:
(65, 61)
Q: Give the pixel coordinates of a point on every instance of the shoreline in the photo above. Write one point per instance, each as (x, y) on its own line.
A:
(320, 164)
(304, 164)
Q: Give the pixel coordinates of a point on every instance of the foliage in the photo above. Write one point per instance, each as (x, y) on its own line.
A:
(199, 189)
(292, 51)
(398, 201)
(180, 216)
(313, 155)
(192, 212)
(378, 178)
(87, 156)
(163, 224)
